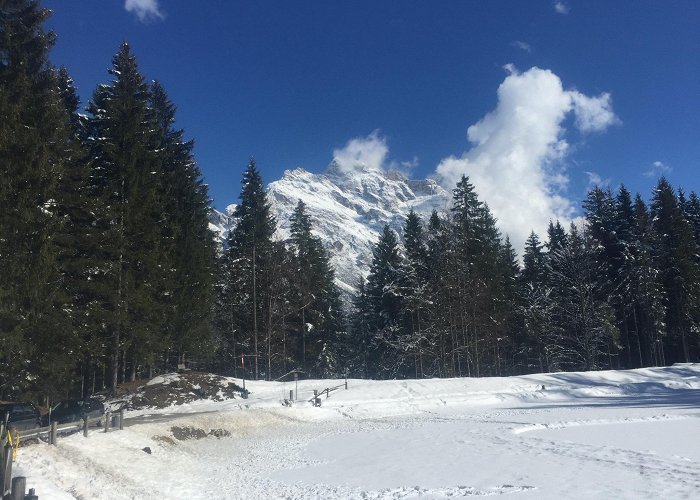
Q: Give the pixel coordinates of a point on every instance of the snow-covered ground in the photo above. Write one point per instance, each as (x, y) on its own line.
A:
(625, 434)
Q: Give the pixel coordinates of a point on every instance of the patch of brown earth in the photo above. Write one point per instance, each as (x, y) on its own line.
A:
(185, 433)
(188, 387)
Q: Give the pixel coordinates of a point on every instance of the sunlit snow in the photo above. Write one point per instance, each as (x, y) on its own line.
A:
(614, 434)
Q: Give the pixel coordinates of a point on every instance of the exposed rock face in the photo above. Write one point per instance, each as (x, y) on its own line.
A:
(348, 209)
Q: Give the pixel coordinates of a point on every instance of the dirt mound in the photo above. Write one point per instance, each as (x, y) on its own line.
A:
(180, 388)
(185, 433)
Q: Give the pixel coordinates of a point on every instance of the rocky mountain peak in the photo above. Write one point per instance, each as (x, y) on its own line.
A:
(349, 207)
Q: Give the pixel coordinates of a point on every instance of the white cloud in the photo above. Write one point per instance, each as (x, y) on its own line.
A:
(145, 10)
(519, 44)
(515, 158)
(657, 169)
(362, 153)
(561, 8)
(404, 167)
(595, 180)
(593, 114)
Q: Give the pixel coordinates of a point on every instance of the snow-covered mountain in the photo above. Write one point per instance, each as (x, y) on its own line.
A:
(348, 208)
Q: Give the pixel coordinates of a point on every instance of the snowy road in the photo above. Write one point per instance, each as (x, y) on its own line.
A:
(633, 434)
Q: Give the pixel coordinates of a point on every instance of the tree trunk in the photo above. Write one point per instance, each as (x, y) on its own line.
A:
(303, 338)
(132, 374)
(636, 331)
(120, 270)
(255, 314)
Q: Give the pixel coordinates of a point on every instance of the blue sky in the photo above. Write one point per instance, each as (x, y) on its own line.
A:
(555, 93)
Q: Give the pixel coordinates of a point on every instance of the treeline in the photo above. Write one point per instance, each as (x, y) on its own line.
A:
(621, 290)
(106, 260)
(108, 269)
(109, 272)
(278, 306)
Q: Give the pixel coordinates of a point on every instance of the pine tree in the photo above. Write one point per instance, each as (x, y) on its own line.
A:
(415, 290)
(315, 297)
(188, 252)
(361, 338)
(536, 305)
(606, 227)
(475, 246)
(643, 290)
(506, 310)
(35, 328)
(438, 265)
(585, 334)
(677, 258)
(384, 301)
(623, 253)
(75, 205)
(691, 212)
(246, 266)
(126, 177)
(534, 262)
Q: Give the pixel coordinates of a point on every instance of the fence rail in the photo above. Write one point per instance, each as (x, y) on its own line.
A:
(10, 439)
(39, 432)
(316, 400)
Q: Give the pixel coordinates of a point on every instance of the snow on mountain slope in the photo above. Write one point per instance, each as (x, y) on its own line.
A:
(348, 210)
(221, 223)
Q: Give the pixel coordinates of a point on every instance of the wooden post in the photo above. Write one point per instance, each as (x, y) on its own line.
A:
(346, 380)
(121, 419)
(54, 432)
(291, 395)
(6, 470)
(2, 465)
(19, 484)
(296, 385)
(31, 495)
(85, 425)
(107, 420)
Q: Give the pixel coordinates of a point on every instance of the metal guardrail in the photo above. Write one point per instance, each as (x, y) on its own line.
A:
(316, 400)
(14, 488)
(37, 433)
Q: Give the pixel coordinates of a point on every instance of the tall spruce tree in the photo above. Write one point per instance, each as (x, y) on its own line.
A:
(384, 299)
(536, 307)
(315, 298)
(127, 179)
(35, 329)
(506, 311)
(476, 250)
(585, 336)
(440, 259)
(246, 288)
(643, 287)
(361, 343)
(75, 205)
(187, 244)
(691, 211)
(415, 291)
(681, 278)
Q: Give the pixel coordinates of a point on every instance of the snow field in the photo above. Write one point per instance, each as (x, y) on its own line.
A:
(631, 434)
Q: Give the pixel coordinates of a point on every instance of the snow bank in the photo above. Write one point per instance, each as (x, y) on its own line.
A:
(613, 434)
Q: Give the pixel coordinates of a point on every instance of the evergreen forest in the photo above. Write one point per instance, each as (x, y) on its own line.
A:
(109, 272)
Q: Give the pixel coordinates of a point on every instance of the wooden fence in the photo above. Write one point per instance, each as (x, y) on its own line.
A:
(316, 400)
(10, 439)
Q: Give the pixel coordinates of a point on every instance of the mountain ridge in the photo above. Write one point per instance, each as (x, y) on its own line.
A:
(348, 208)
